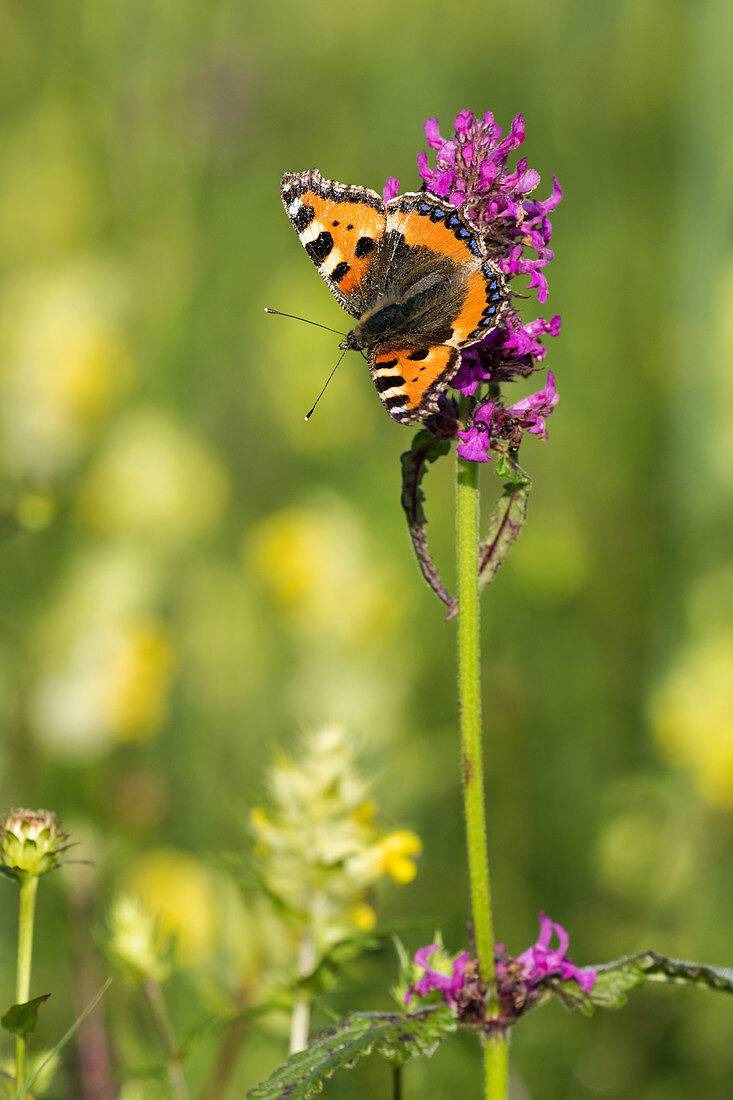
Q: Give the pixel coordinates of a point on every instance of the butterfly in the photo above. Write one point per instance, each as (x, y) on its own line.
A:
(413, 272)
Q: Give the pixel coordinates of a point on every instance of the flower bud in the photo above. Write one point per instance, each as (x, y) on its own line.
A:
(31, 843)
(135, 943)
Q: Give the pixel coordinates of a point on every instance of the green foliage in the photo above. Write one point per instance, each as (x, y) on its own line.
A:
(51, 1057)
(395, 1036)
(21, 1019)
(614, 980)
(506, 520)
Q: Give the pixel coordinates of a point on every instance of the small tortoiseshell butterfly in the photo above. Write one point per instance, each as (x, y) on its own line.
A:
(413, 272)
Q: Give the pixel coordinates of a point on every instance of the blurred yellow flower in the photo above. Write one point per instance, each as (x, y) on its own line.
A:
(316, 562)
(178, 892)
(113, 685)
(363, 917)
(394, 852)
(692, 715)
(64, 366)
(106, 660)
(139, 680)
(154, 480)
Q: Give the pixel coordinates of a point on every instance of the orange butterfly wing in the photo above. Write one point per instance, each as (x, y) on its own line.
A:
(409, 380)
(340, 227)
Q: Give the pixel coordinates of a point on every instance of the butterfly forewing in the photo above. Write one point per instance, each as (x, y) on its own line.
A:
(341, 228)
(477, 296)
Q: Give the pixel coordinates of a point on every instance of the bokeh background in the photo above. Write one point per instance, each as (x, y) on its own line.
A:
(191, 574)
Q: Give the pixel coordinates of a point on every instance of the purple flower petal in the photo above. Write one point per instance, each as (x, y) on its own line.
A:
(432, 133)
(391, 188)
(463, 122)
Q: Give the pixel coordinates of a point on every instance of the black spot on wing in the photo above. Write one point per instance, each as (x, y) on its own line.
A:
(339, 271)
(388, 382)
(320, 248)
(421, 353)
(364, 246)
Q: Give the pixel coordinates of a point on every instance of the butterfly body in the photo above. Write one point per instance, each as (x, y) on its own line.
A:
(413, 273)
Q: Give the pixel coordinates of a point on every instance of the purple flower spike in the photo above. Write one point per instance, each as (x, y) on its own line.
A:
(471, 171)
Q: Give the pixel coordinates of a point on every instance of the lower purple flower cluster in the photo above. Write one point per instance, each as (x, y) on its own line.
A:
(520, 981)
(493, 421)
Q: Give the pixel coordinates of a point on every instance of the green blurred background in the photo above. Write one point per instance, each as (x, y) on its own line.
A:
(190, 573)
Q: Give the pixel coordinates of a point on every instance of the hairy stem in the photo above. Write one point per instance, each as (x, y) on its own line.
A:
(26, 916)
(177, 1081)
(472, 770)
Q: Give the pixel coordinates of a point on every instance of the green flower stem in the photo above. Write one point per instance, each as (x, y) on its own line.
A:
(472, 770)
(177, 1081)
(300, 1019)
(26, 915)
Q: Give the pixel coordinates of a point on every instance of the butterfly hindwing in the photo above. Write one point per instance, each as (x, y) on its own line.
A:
(408, 380)
(341, 228)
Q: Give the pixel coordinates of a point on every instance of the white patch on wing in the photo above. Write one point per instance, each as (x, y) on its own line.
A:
(334, 259)
(312, 231)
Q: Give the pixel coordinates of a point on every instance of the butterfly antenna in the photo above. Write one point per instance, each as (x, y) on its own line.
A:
(320, 395)
(305, 320)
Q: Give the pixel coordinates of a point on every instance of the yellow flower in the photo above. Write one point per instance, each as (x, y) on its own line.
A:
(107, 661)
(692, 714)
(363, 917)
(64, 367)
(394, 851)
(154, 480)
(177, 890)
(317, 564)
(138, 680)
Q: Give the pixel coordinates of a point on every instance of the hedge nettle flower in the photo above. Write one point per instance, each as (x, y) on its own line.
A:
(520, 981)
(471, 172)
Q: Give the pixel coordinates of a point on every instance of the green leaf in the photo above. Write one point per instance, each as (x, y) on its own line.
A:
(506, 520)
(426, 448)
(614, 980)
(65, 1038)
(21, 1019)
(394, 1035)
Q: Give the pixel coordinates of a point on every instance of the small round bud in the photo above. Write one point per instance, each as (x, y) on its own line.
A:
(31, 842)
